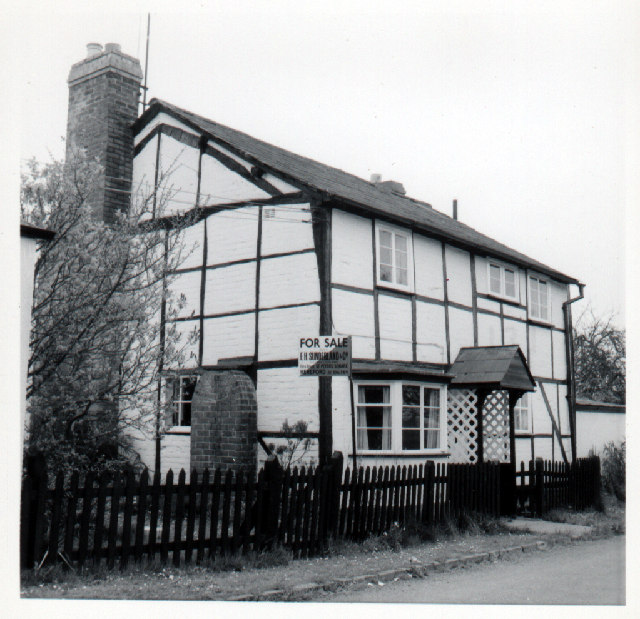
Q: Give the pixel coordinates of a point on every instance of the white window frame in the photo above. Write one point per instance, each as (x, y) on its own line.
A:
(395, 231)
(503, 294)
(395, 402)
(547, 282)
(522, 408)
(176, 404)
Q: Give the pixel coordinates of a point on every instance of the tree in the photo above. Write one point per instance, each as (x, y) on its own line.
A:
(96, 348)
(600, 363)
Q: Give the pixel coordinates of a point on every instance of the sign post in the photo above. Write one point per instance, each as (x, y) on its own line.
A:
(328, 355)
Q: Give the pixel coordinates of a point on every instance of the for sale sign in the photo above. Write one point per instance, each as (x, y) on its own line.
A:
(324, 355)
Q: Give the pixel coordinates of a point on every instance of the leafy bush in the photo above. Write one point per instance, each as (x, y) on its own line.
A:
(613, 462)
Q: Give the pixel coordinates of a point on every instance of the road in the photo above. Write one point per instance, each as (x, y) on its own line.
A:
(586, 573)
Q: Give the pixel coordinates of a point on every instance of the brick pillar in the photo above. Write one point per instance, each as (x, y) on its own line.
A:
(104, 89)
(224, 422)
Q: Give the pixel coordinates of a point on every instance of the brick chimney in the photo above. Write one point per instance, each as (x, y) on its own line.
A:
(104, 89)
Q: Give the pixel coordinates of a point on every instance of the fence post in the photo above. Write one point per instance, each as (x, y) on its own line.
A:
(539, 487)
(34, 494)
(273, 485)
(337, 463)
(429, 483)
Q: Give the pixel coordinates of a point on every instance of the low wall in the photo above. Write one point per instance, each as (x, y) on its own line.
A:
(598, 423)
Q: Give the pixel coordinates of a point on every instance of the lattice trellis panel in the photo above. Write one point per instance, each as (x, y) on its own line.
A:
(462, 432)
(495, 427)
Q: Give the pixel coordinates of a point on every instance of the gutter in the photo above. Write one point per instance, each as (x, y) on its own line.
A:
(571, 371)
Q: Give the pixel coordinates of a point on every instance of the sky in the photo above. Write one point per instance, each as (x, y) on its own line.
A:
(520, 113)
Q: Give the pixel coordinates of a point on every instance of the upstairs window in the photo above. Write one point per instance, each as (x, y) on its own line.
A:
(394, 252)
(182, 388)
(503, 281)
(522, 414)
(539, 299)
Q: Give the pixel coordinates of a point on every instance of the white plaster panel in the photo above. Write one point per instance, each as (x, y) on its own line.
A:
(460, 330)
(516, 312)
(178, 179)
(143, 180)
(563, 409)
(459, 275)
(430, 333)
(540, 351)
(187, 340)
(428, 267)
(522, 276)
(245, 164)
(287, 229)
(516, 333)
(288, 280)
(596, 429)
(230, 289)
(352, 253)
(175, 454)
(227, 337)
(395, 328)
(559, 356)
(279, 184)
(543, 448)
(488, 304)
(232, 235)
(557, 296)
(284, 395)
(567, 447)
(523, 451)
(552, 395)
(489, 330)
(481, 276)
(184, 295)
(280, 330)
(353, 315)
(341, 399)
(162, 119)
(539, 414)
(188, 247)
(220, 185)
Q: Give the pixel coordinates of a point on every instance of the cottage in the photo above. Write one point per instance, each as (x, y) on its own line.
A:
(461, 348)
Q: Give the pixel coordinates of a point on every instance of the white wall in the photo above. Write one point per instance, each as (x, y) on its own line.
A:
(352, 250)
(353, 315)
(597, 428)
(430, 333)
(459, 276)
(395, 328)
(428, 266)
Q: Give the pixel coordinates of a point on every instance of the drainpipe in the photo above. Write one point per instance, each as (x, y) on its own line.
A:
(569, 351)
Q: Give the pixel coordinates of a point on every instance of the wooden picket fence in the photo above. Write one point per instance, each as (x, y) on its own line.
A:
(117, 519)
(546, 485)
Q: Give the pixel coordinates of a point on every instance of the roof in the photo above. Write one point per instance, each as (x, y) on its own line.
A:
(498, 367)
(348, 188)
(584, 404)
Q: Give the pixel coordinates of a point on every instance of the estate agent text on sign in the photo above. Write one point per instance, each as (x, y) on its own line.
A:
(324, 356)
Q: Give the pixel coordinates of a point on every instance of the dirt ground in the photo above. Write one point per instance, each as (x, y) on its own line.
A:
(345, 561)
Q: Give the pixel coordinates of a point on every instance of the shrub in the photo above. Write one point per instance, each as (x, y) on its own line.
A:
(614, 469)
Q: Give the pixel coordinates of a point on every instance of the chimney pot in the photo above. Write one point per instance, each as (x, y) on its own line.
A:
(93, 49)
(376, 178)
(112, 47)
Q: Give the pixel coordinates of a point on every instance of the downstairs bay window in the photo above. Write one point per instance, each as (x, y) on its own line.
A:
(400, 417)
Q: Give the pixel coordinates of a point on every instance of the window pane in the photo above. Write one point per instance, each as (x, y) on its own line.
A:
(411, 395)
(401, 243)
(432, 418)
(385, 273)
(401, 260)
(411, 439)
(385, 256)
(186, 414)
(543, 300)
(374, 439)
(188, 387)
(494, 279)
(385, 239)
(509, 283)
(432, 397)
(374, 394)
(410, 417)
(431, 439)
(402, 276)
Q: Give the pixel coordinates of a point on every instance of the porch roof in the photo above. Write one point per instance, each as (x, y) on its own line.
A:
(492, 367)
